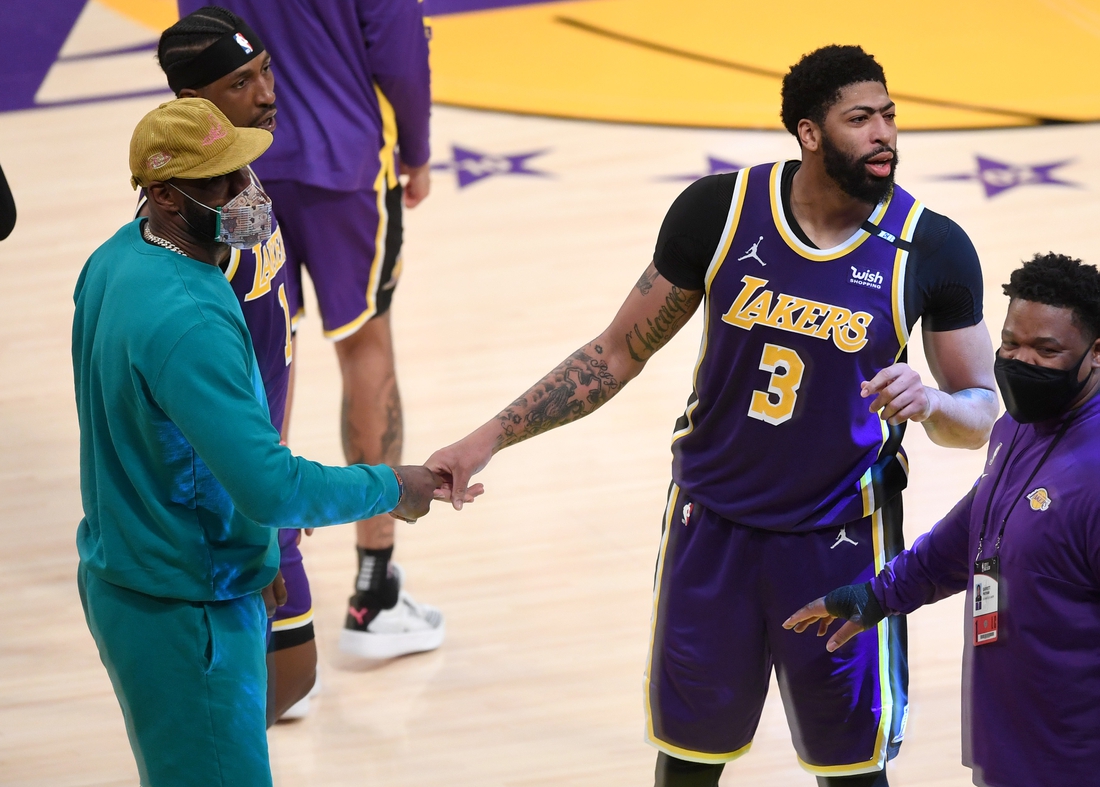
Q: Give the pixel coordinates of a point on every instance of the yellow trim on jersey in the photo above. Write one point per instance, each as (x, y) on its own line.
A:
(904, 462)
(673, 493)
(878, 761)
(867, 491)
(733, 218)
(901, 257)
(695, 756)
(651, 737)
(779, 218)
(295, 622)
(387, 178)
(843, 770)
(234, 263)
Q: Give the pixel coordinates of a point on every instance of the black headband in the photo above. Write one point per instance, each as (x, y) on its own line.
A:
(224, 56)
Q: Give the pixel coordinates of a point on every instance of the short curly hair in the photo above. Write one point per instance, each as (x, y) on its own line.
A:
(814, 83)
(1058, 280)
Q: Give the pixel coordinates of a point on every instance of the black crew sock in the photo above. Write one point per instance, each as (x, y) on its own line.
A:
(674, 772)
(375, 586)
(876, 779)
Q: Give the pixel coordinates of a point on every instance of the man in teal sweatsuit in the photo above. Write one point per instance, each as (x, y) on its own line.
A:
(183, 480)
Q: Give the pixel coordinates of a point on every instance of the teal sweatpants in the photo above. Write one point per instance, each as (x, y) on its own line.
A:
(192, 682)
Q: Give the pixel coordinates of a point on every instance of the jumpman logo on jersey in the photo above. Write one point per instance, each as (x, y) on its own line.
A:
(751, 253)
(842, 537)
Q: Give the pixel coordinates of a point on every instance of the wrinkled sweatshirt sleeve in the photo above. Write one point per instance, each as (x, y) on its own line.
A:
(397, 47)
(206, 387)
(935, 567)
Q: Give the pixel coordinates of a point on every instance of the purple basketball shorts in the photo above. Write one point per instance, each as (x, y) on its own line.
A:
(722, 592)
(350, 241)
(293, 622)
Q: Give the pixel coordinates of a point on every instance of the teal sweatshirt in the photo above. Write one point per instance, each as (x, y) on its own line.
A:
(182, 476)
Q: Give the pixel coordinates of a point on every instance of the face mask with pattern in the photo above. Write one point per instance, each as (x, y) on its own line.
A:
(242, 222)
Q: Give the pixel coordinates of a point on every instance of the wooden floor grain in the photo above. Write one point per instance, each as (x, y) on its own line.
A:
(546, 581)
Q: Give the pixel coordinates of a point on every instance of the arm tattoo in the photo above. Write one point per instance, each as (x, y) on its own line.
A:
(579, 385)
(645, 284)
(677, 309)
(976, 393)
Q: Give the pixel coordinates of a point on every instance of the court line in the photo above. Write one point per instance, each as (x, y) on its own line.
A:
(710, 60)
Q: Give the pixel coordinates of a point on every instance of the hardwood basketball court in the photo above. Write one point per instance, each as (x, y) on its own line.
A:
(535, 231)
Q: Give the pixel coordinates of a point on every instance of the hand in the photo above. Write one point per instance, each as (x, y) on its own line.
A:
(307, 530)
(899, 395)
(457, 463)
(419, 183)
(815, 612)
(419, 487)
(274, 594)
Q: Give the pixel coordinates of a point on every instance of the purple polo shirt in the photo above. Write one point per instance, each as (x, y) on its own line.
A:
(1031, 700)
(328, 57)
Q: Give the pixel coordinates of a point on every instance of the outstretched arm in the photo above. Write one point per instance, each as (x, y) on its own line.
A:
(958, 414)
(935, 567)
(653, 312)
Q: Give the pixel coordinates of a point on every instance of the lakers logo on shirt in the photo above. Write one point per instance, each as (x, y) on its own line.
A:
(270, 257)
(1040, 500)
(756, 305)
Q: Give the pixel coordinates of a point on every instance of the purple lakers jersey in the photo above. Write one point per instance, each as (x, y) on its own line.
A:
(259, 279)
(776, 435)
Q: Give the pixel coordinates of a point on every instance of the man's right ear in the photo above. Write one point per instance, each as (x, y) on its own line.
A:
(809, 135)
(188, 92)
(162, 196)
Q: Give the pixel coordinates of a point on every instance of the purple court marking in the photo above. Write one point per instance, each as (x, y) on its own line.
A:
(470, 166)
(31, 35)
(150, 46)
(715, 166)
(444, 7)
(998, 177)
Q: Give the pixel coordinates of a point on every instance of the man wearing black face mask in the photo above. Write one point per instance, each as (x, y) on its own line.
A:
(1025, 542)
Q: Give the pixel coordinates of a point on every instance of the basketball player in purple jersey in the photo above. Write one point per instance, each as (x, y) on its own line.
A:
(355, 100)
(214, 54)
(787, 463)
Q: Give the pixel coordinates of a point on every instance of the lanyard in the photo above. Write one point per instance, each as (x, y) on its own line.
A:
(989, 504)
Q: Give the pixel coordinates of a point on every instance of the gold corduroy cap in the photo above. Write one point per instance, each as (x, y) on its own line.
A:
(191, 138)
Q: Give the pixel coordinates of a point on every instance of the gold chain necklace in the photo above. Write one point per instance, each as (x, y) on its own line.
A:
(159, 241)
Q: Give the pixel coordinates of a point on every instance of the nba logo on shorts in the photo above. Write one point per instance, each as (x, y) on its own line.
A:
(242, 42)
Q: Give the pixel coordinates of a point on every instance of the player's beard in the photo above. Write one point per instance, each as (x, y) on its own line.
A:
(852, 176)
(202, 225)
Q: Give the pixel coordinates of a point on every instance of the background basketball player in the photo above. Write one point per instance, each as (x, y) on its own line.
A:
(350, 126)
(787, 467)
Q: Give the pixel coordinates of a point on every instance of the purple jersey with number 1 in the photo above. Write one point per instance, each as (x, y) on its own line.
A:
(776, 435)
(259, 279)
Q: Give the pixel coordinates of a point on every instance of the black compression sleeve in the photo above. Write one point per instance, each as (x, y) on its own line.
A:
(692, 230)
(943, 282)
